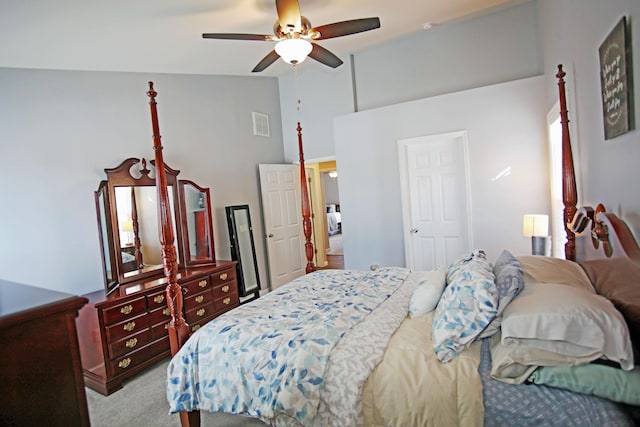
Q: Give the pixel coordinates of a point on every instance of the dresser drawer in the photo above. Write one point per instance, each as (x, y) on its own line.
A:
(159, 315)
(198, 313)
(225, 289)
(124, 311)
(130, 343)
(223, 276)
(195, 301)
(193, 287)
(226, 303)
(160, 330)
(157, 299)
(128, 327)
(131, 360)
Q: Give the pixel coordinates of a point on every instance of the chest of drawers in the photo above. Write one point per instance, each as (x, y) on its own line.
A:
(122, 333)
(40, 374)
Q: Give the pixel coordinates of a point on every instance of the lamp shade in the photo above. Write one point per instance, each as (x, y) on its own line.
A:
(293, 51)
(535, 225)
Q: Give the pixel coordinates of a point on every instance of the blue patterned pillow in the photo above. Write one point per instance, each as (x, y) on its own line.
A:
(468, 304)
(509, 281)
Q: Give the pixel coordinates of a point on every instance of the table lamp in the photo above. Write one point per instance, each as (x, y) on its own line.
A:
(536, 227)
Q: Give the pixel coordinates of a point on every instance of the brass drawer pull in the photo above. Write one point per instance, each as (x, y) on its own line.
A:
(126, 309)
(199, 299)
(129, 326)
(131, 343)
(225, 288)
(201, 312)
(195, 328)
(202, 283)
(166, 312)
(158, 299)
(223, 276)
(124, 363)
(166, 327)
(226, 301)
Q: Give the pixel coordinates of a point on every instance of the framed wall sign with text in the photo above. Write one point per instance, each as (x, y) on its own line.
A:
(615, 81)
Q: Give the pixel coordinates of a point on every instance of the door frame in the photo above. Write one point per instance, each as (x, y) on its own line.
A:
(403, 165)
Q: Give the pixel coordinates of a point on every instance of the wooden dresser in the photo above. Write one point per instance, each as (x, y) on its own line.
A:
(40, 372)
(126, 331)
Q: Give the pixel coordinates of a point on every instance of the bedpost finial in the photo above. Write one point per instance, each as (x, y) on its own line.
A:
(561, 72)
(152, 93)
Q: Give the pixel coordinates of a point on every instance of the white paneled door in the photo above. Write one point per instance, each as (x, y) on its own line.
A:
(280, 189)
(435, 201)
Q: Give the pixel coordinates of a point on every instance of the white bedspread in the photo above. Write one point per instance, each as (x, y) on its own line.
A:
(295, 356)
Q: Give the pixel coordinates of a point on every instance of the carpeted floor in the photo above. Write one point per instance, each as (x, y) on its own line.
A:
(335, 244)
(142, 402)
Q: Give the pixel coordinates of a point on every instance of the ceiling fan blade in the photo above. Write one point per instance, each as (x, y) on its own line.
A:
(234, 36)
(344, 28)
(321, 54)
(266, 61)
(289, 14)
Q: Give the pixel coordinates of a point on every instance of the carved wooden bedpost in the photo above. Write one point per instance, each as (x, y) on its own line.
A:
(306, 211)
(569, 191)
(178, 328)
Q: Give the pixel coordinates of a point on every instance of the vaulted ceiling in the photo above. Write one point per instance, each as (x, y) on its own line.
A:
(165, 36)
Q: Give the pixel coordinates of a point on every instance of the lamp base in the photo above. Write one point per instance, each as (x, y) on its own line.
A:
(540, 245)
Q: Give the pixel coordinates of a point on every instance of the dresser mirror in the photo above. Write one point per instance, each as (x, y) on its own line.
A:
(127, 212)
(195, 203)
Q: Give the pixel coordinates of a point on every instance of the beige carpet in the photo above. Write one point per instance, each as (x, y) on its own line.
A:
(335, 244)
(142, 402)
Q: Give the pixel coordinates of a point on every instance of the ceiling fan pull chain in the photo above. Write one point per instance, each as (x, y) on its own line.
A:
(295, 79)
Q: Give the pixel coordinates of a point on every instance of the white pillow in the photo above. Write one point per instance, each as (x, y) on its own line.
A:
(567, 321)
(427, 294)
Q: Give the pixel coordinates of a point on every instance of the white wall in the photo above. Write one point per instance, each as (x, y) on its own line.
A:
(506, 129)
(60, 129)
(571, 32)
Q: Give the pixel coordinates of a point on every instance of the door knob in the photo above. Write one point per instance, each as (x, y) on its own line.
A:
(270, 235)
(414, 230)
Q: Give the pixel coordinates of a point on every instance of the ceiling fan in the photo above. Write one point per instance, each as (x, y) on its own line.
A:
(296, 36)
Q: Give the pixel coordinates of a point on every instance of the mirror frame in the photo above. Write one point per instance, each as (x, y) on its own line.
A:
(120, 176)
(235, 252)
(106, 241)
(189, 258)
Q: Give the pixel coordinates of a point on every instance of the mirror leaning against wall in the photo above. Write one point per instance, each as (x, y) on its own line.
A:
(243, 250)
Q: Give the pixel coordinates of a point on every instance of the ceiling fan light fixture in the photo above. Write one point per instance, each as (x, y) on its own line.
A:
(293, 51)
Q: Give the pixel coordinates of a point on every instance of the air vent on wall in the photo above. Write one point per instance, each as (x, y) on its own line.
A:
(261, 124)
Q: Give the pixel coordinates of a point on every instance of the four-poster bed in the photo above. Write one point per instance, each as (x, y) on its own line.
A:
(348, 365)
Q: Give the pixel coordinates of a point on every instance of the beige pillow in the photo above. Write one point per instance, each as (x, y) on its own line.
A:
(551, 325)
(554, 270)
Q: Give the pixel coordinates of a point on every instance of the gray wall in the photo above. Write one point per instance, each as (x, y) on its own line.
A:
(60, 129)
(489, 49)
(506, 130)
(571, 32)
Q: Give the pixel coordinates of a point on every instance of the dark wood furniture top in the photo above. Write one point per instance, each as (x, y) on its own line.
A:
(41, 376)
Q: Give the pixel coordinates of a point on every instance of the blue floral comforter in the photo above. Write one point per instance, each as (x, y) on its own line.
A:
(268, 358)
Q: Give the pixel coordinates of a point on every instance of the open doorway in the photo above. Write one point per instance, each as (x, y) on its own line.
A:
(327, 224)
